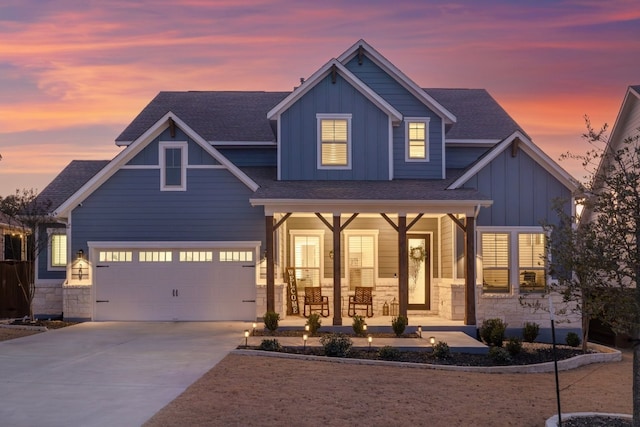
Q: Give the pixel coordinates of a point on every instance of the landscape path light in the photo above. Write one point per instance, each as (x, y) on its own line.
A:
(420, 331)
(305, 337)
(246, 337)
(369, 339)
(432, 340)
(254, 329)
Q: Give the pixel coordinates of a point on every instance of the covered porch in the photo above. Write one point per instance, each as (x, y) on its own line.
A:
(423, 250)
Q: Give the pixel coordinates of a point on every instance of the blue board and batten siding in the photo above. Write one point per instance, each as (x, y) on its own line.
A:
(523, 192)
(299, 137)
(407, 104)
(129, 206)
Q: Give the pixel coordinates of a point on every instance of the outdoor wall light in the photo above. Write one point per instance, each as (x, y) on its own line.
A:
(420, 331)
(432, 340)
(364, 327)
(369, 339)
(305, 337)
(306, 328)
(246, 337)
(80, 254)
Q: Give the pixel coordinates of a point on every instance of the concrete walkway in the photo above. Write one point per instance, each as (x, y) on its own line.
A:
(106, 374)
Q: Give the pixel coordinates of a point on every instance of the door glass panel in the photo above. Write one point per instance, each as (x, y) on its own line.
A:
(417, 270)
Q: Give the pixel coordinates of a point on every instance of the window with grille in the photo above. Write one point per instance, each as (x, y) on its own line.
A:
(58, 250)
(495, 262)
(155, 256)
(531, 262)
(334, 139)
(417, 139)
(306, 259)
(361, 260)
(115, 256)
(173, 165)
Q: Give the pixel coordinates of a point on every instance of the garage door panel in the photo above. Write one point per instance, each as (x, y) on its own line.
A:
(175, 290)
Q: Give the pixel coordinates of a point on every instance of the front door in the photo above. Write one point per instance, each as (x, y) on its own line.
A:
(419, 250)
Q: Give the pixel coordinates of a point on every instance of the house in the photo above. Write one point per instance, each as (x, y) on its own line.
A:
(432, 197)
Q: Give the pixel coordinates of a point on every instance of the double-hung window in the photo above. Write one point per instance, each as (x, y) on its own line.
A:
(334, 141)
(173, 166)
(306, 254)
(417, 139)
(57, 250)
(531, 262)
(361, 259)
(495, 262)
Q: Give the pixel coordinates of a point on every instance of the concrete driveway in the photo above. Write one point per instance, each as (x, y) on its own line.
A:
(106, 374)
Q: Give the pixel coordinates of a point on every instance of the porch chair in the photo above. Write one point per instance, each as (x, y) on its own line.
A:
(363, 298)
(313, 298)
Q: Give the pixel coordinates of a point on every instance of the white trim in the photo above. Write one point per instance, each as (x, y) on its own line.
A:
(473, 142)
(132, 150)
(172, 245)
(279, 149)
(152, 167)
(345, 262)
(140, 167)
(400, 77)
(390, 150)
(324, 116)
(444, 151)
(307, 232)
(183, 146)
(427, 151)
(312, 81)
(529, 148)
(242, 143)
(206, 167)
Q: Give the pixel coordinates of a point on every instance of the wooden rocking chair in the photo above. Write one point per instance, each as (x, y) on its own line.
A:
(313, 298)
(363, 298)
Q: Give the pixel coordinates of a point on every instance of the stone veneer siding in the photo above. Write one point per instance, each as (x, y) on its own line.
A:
(77, 302)
(47, 300)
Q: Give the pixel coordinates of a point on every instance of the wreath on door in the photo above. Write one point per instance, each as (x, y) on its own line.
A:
(417, 256)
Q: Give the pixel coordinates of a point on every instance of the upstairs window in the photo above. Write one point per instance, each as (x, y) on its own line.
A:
(417, 139)
(334, 141)
(173, 166)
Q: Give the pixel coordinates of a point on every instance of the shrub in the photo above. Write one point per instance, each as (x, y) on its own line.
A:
(530, 331)
(314, 323)
(514, 346)
(492, 331)
(336, 345)
(573, 339)
(358, 325)
(271, 319)
(500, 355)
(441, 350)
(399, 324)
(388, 353)
(270, 345)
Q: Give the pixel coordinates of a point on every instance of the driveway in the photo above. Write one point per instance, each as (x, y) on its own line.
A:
(106, 374)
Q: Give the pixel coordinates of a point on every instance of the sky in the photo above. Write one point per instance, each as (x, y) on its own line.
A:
(74, 73)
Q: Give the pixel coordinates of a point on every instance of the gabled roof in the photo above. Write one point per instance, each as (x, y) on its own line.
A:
(399, 76)
(134, 148)
(323, 72)
(630, 101)
(216, 116)
(528, 147)
(479, 116)
(72, 177)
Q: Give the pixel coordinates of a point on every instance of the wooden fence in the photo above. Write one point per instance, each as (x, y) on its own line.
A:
(12, 301)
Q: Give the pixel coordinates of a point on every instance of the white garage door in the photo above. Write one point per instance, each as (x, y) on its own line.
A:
(174, 284)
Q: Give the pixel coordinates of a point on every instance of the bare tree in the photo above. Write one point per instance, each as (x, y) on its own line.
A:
(30, 215)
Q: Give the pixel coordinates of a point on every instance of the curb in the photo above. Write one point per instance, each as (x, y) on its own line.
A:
(26, 327)
(607, 355)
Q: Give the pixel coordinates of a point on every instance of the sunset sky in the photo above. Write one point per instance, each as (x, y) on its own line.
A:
(74, 73)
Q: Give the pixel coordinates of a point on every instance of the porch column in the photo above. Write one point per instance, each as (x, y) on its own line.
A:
(271, 303)
(403, 265)
(470, 271)
(337, 285)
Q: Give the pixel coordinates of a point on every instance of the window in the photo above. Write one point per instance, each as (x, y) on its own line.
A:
(334, 141)
(306, 253)
(417, 139)
(361, 257)
(531, 262)
(58, 252)
(173, 170)
(495, 262)
(154, 256)
(115, 256)
(236, 256)
(12, 247)
(196, 256)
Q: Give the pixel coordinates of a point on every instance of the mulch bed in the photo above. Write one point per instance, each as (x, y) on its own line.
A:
(49, 324)
(597, 421)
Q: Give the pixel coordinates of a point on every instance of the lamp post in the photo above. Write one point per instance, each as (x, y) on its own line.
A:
(246, 337)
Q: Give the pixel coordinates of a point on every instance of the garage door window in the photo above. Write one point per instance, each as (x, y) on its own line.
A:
(116, 256)
(155, 256)
(237, 256)
(196, 256)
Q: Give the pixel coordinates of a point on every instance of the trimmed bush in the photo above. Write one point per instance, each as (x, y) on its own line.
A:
(514, 346)
(336, 345)
(388, 353)
(314, 323)
(441, 350)
(399, 324)
(270, 345)
(271, 319)
(500, 355)
(573, 339)
(358, 325)
(492, 332)
(530, 331)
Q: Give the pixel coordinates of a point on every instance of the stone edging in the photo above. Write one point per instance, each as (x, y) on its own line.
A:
(26, 327)
(553, 421)
(606, 355)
